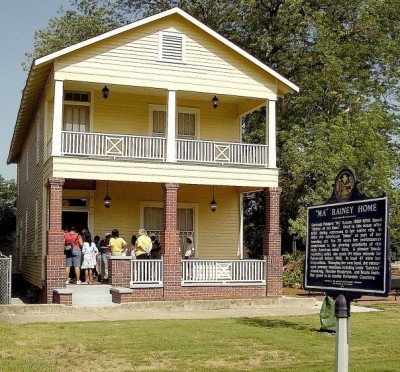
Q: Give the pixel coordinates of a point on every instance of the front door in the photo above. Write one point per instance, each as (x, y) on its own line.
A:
(77, 219)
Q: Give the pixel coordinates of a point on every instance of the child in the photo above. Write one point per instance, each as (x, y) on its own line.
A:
(88, 249)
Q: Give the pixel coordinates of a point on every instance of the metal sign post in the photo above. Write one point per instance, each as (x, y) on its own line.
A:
(342, 313)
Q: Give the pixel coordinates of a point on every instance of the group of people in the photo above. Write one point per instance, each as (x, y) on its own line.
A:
(88, 255)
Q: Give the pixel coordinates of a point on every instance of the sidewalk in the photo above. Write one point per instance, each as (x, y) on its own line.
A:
(190, 309)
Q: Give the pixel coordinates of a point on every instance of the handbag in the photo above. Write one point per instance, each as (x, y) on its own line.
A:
(69, 247)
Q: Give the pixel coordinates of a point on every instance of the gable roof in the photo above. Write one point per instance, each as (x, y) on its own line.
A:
(42, 67)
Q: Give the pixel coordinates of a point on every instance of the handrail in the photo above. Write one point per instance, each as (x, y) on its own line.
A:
(146, 273)
(223, 271)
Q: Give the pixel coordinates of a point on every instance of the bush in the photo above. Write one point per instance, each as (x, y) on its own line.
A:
(293, 270)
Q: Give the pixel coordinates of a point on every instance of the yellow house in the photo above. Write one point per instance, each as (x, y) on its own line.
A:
(149, 115)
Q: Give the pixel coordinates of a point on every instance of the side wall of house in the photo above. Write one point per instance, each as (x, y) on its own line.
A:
(31, 241)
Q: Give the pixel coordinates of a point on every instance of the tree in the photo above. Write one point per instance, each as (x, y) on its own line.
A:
(8, 204)
(345, 57)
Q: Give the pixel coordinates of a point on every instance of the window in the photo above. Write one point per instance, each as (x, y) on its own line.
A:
(186, 124)
(187, 121)
(153, 223)
(36, 240)
(76, 115)
(76, 118)
(171, 47)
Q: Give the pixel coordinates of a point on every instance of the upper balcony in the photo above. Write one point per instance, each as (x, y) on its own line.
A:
(119, 146)
(162, 132)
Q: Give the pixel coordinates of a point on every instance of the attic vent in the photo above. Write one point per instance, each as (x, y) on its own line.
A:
(172, 46)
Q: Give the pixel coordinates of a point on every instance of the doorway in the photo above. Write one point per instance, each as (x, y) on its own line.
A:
(77, 219)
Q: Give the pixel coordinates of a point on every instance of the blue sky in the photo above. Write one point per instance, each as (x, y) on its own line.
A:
(19, 19)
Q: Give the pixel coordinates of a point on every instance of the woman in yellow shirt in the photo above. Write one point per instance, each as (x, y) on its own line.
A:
(116, 243)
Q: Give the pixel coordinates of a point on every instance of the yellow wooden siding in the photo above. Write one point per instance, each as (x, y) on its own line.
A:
(125, 113)
(131, 58)
(30, 190)
(217, 233)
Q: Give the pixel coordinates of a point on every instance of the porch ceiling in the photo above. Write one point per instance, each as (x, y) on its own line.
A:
(155, 92)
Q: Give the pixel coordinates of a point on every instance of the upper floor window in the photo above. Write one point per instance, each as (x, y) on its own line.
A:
(187, 125)
(76, 115)
(171, 46)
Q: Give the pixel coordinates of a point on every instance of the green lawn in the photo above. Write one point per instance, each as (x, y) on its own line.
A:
(271, 343)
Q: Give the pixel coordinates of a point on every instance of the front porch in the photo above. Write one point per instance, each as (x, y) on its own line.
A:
(215, 273)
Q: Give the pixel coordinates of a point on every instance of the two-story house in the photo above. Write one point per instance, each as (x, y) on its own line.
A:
(142, 127)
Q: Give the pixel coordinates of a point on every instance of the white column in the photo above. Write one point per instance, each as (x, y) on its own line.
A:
(171, 126)
(57, 118)
(271, 132)
(240, 243)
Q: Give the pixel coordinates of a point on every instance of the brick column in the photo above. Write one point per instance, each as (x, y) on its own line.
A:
(55, 258)
(170, 242)
(272, 242)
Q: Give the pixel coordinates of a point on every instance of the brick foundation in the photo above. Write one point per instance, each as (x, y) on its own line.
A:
(62, 297)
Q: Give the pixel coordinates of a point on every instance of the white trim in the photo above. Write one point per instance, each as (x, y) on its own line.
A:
(51, 57)
(171, 127)
(271, 123)
(241, 225)
(57, 117)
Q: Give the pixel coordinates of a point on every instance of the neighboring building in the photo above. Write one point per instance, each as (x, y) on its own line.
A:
(156, 146)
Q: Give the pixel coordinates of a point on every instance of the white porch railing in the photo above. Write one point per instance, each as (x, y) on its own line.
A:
(146, 273)
(221, 152)
(112, 145)
(238, 272)
(146, 147)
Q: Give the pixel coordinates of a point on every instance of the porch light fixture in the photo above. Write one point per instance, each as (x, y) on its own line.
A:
(105, 92)
(215, 102)
(213, 203)
(107, 199)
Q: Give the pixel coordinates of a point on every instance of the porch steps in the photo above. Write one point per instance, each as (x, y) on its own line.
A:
(91, 295)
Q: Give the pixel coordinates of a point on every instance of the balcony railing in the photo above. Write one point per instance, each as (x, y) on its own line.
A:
(146, 273)
(221, 152)
(154, 148)
(112, 145)
(238, 272)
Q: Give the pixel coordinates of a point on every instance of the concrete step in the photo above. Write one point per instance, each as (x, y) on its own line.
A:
(91, 295)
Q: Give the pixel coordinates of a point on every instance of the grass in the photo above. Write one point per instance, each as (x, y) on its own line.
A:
(257, 344)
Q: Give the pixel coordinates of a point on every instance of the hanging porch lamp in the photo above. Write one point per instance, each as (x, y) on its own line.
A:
(105, 91)
(215, 102)
(213, 203)
(107, 199)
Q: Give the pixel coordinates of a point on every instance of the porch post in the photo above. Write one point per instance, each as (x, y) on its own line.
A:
(57, 118)
(171, 126)
(170, 242)
(271, 132)
(54, 259)
(272, 242)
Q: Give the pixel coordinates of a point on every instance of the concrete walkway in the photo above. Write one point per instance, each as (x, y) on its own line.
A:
(191, 309)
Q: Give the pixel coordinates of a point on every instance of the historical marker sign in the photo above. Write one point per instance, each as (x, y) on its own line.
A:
(347, 248)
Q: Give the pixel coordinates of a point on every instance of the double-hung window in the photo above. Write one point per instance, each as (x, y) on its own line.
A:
(76, 115)
(187, 122)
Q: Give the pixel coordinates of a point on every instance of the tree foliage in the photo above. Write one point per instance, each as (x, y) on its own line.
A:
(343, 54)
(8, 204)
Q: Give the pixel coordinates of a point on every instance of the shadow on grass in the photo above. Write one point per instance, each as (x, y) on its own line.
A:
(273, 323)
